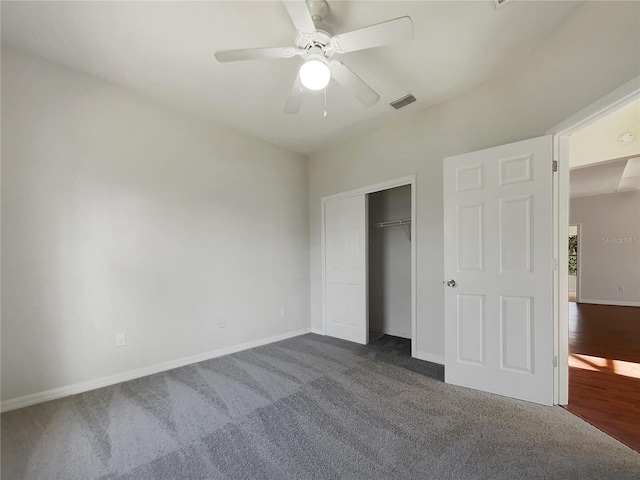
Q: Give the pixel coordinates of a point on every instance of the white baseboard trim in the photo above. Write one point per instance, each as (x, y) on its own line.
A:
(610, 302)
(317, 331)
(28, 400)
(430, 357)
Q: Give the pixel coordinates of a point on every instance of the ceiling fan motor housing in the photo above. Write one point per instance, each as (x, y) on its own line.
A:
(318, 9)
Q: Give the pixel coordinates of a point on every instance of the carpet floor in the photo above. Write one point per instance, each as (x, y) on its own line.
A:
(310, 407)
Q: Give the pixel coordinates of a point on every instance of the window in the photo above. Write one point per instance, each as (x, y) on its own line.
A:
(573, 255)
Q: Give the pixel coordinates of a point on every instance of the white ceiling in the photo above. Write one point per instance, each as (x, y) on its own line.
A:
(165, 51)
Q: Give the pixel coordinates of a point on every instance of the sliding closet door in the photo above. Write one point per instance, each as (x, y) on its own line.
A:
(345, 269)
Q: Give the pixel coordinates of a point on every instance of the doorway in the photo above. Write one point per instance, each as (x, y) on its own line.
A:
(390, 263)
(597, 200)
(345, 306)
(624, 95)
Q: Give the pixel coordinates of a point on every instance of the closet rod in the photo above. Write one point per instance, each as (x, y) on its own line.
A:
(405, 222)
(393, 223)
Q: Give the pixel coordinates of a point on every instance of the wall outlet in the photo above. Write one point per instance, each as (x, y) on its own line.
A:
(621, 289)
(283, 312)
(222, 322)
(121, 340)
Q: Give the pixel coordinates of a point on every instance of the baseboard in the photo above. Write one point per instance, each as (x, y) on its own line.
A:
(317, 331)
(430, 357)
(28, 400)
(609, 302)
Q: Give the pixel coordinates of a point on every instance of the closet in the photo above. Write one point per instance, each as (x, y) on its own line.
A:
(390, 262)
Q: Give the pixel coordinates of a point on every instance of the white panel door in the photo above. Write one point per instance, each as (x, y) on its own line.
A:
(498, 223)
(346, 303)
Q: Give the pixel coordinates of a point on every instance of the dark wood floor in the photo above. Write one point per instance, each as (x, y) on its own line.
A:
(604, 369)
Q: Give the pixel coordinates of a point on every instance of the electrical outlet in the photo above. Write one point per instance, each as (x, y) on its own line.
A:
(283, 312)
(222, 322)
(121, 340)
(621, 289)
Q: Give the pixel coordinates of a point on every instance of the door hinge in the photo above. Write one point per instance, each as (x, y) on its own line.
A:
(555, 263)
(555, 165)
(555, 361)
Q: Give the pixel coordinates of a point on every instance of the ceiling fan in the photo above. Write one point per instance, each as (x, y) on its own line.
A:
(316, 44)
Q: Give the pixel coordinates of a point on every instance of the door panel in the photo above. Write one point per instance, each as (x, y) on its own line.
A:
(515, 234)
(516, 333)
(471, 329)
(346, 303)
(498, 249)
(470, 240)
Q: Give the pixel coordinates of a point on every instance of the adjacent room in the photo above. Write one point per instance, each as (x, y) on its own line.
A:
(318, 239)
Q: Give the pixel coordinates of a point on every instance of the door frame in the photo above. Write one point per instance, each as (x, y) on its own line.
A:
(624, 95)
(398, 182)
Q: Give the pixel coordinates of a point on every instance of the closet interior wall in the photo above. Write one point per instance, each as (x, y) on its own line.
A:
(390, 262)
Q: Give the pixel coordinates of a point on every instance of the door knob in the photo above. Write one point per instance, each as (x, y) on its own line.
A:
(451, 283)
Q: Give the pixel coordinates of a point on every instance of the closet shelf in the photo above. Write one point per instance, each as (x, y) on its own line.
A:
(404, 223)
(393, 223)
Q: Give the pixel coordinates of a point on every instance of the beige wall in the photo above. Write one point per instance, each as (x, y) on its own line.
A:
(609, 247)
(121, 215)
(595, 52)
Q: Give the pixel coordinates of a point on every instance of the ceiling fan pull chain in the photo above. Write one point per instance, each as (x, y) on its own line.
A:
(325, 103)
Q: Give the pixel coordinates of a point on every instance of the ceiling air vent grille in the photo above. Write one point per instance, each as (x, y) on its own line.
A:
(403, 102)
(501, 3)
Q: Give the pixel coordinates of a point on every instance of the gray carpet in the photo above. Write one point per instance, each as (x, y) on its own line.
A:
(305, 408)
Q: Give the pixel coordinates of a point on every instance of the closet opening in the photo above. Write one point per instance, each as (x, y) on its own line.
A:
(389, 272)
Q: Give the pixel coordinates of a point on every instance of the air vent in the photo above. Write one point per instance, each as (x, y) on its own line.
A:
(403, 102)
(501, 3)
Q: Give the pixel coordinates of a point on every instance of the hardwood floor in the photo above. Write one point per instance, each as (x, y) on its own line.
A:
(604, 369)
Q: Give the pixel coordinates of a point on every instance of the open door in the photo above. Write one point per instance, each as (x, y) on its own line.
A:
(498, 227)
(345, 269)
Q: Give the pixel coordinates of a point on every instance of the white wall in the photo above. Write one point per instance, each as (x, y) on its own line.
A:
(595, 52)
(121, 215)
(609, 247)
(390, 263)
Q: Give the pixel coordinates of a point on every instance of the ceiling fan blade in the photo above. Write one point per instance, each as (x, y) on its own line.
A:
(299, 13)
(349, 80)
(256, 54)
(294, 102)
(372, 36)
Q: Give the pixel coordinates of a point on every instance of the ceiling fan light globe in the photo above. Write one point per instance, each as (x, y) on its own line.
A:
(314, 75)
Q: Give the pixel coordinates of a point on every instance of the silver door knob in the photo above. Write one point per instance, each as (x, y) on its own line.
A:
(451, 283)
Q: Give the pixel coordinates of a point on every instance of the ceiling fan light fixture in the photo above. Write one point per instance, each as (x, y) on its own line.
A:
(314, 74)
